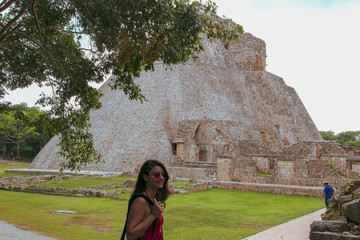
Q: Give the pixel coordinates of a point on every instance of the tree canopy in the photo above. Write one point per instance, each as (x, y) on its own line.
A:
(23, 131)
(347, 138)
(40, 43)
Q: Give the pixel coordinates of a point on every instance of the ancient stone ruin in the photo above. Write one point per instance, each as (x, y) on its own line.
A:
(220, 117)
(342, 218)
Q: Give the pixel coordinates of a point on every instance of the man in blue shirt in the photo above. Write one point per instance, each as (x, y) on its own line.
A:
(328, 193)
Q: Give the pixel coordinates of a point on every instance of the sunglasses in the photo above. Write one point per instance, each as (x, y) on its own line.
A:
(157, 174)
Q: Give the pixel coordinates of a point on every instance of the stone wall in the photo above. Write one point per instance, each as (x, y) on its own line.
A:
(271, 188)
(320, 149)
(339, 163)
(312, 182)
(319, 168)
(297, 172)
(284, 169)
(192, 173)
(263, 164)
(224, 169)
(19, 183)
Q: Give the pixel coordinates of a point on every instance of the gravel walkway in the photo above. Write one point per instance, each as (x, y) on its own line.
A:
(10, 232)
(296, 229)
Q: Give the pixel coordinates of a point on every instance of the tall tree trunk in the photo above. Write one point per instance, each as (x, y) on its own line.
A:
(4, 150)
(17, 151)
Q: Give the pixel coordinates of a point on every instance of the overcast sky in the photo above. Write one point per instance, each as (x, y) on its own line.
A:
(314, 45)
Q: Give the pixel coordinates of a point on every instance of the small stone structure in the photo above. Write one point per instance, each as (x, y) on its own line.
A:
(342, 219)
(220, 117)
(30, 185)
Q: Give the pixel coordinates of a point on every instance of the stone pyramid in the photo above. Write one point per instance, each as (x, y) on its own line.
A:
(195, 111)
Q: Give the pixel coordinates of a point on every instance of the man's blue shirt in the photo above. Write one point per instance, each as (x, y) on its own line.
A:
(329, 190)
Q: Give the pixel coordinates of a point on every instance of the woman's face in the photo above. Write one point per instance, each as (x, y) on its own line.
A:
(156, 177)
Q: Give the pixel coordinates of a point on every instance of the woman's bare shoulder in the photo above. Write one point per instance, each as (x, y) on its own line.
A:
(139, 204)
(140, 200)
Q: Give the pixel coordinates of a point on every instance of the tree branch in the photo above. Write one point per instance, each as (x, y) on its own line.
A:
(32, 40)
(4, 5)
(8, 34)
(38, 23)
(58, 29)
(13, 21)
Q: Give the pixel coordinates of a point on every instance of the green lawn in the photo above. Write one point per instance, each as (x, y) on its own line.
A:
(13, 165)
(211, 214)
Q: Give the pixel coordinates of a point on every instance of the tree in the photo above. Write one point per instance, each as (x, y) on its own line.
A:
(15, 129)
(40, 44)
(328, 135)
(347, 138)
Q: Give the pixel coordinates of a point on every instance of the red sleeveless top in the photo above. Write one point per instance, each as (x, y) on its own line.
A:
(158, 234)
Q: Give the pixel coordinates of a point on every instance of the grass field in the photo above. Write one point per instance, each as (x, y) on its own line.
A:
(210, 214)
(12, 165)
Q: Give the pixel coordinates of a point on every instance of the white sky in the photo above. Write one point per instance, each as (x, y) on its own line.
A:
(314, 45)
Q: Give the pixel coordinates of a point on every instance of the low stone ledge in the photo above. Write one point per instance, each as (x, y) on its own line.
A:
(70, 191)
(270, 188)
(344, 199)
(130, 183)
(332, 236)
(196, 187)
(329, 226)
(352, 210)
(199, 173)
(65, 172)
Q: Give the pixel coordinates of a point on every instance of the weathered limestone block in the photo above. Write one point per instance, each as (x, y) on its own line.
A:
(196, 173)
(352, 186)
(329, 226)
(126, 190)
(332, 236)
(351, 224)
(352, 210)
(356, 193)
(196, 187)
(344, 199)
(355, 230)
(129, 183)
(249, 54)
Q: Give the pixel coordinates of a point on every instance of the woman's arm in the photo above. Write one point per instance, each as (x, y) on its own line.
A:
(141, 216)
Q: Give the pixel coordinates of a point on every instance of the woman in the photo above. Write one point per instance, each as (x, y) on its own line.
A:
(148, 202)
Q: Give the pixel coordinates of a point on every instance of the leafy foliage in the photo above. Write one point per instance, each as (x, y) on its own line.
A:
(40, 44)
(347, 138)
(23, 129)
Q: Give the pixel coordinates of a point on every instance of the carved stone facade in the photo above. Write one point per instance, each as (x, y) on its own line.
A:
(222, 116)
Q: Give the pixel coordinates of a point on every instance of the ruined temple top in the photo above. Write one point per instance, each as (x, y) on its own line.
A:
(247, 54)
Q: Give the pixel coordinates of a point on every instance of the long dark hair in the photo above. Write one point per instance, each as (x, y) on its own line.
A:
(140, 186)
